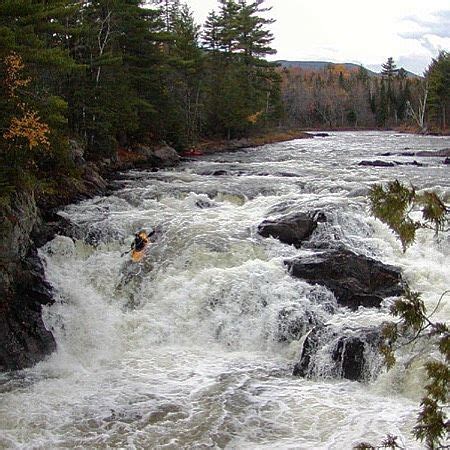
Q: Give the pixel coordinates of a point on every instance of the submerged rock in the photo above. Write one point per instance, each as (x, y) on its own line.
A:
(355, 280)
(377, 163)
(293, 323)
(434, 153)
(329, 352)
(292, 229)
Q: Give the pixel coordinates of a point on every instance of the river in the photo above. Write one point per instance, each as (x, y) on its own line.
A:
(182, 351)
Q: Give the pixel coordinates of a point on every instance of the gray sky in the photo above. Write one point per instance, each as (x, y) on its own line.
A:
(359, 31)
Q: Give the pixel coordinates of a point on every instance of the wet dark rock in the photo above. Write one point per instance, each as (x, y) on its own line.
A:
(411, 163)
(293, 324)
(321, 135)
(49, 228)
(398, 154)
(444, 153)
(277, 174)
(353, 353)
(292, 229)
(24, 340)
(377, 163)
(355, 280)
(202, 204)
(447, 161)
(219, 173)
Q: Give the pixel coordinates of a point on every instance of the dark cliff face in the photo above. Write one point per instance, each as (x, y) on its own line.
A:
(24, 340)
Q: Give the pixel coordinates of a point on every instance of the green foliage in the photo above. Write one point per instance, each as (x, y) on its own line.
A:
(394, 203)
(391, 205)
(243, 88)
(434, 210)
(389, 441)
(432, 424)
(438, 77)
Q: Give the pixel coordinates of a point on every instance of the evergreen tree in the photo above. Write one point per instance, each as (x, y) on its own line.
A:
(389, 69)
(114, 99)
(239, 40)
(382, 107)
(33, 34)
(184, 108)
(438, 76)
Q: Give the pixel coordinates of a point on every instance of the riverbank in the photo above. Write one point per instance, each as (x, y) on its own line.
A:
(221, 145)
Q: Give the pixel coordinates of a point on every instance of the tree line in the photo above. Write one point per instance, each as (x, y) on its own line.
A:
(112, 73)
(339, 98)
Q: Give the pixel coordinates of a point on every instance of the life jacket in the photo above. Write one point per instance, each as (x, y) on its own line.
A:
(140, 241)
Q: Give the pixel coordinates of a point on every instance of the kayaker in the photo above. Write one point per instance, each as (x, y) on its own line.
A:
(140, 243)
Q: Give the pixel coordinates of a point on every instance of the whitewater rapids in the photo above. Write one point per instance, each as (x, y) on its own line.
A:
(183, 351)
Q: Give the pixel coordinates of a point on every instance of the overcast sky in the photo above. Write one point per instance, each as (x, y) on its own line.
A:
(363, 32)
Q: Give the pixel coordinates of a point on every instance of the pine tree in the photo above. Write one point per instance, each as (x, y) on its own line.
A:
(382, 106)
(238, 40)
(438, 77)
(389, 69)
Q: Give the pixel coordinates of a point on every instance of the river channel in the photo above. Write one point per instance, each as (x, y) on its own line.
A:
(183, 350)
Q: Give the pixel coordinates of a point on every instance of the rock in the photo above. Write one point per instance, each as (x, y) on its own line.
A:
(330, 352)
(398, 153)
(293, 323)
(24, 340)
(160, 156)
(355, 280)
(94, 182)
(444, 153)
(219, 173)
(377, 163)
(76, 152)
(447, 161)
(166, 155)
(292, 229)
(321, 135)
(202, 204)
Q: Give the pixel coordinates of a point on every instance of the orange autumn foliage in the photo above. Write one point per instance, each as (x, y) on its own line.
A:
(14, 66)
(29, 126)
(253, 118)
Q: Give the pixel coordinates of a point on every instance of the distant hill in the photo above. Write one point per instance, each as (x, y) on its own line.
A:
(320, 65)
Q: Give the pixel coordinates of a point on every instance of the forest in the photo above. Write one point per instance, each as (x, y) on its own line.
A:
(113, 73)
(339, 98)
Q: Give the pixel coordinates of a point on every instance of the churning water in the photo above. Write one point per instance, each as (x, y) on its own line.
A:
(184, 349)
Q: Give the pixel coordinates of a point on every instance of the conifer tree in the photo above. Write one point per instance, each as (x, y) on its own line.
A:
(438, 76)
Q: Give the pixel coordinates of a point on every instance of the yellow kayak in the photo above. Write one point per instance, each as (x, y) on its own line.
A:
(136, 256)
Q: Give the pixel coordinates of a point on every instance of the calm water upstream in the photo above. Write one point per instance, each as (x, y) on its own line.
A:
(182, 351)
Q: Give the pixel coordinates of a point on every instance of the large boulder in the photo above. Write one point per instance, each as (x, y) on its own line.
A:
(292, 229)
(355, 280)
(159, 156)
(330, 352)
